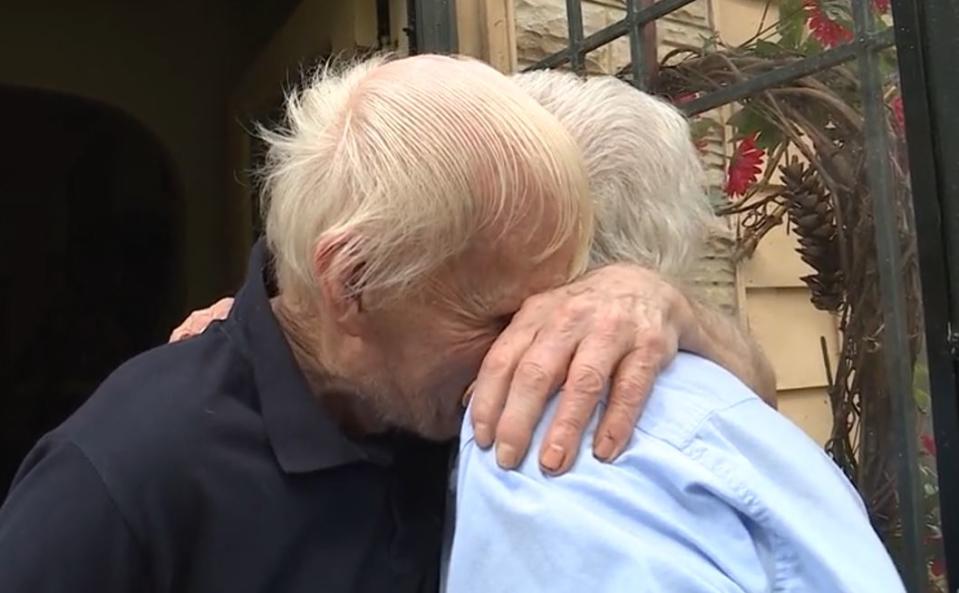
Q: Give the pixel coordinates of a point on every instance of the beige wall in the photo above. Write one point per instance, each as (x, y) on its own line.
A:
(774, 299)
(738, 20)
(486, 29)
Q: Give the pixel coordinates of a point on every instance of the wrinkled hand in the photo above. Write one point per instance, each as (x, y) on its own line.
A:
(615, 329)
(198, 321)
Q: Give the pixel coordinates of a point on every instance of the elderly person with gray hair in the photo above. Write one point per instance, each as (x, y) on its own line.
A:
(715, 491)
(302, 445)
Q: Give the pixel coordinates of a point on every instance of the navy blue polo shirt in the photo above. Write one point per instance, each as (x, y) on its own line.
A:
(209, 465)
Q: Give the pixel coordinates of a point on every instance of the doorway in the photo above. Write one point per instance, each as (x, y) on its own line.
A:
(88, 256)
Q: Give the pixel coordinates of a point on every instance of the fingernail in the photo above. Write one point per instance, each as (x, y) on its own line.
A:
(506, 456)
(553, 458)
(605, 449)
(483, 434)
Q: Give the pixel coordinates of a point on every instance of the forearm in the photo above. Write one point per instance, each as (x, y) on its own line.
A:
(720, 338)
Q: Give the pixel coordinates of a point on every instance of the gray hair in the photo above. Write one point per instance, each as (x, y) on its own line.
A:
(644, 173)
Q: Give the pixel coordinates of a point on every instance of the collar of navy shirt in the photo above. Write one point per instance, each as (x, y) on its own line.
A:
(302, 434)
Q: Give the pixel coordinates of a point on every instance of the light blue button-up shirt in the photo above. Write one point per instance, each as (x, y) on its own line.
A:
(715, 492)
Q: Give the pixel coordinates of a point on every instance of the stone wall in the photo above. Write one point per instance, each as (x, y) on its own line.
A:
(541, 29)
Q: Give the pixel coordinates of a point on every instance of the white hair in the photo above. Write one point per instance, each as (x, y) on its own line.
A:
(401, 163)
(645, 176)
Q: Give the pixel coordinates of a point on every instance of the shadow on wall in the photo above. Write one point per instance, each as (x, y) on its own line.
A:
(91, 222)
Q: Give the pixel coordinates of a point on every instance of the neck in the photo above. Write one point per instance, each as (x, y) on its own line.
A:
(323, 356)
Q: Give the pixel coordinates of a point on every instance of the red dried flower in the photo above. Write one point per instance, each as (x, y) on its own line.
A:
(744, 167)
(881, 6)
(937, 568)
(898, 115)
(928, 444)
(825, 30)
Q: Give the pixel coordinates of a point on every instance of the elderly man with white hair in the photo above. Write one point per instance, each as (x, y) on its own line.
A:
(715, 490)
(412, 206)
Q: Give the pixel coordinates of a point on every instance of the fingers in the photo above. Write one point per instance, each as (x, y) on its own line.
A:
(198, 321)
(179, 334)
(538, 374)
(585, 385)
(631, 385)
(192, 326)
(600, 327)
(490, 389)
(220, 309)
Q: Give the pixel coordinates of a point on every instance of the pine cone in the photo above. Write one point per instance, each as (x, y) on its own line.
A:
(812, 216)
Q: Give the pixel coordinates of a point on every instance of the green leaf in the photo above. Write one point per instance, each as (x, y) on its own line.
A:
(742, 120)
(769, 140)
(792, 23)
(920, 387)
(766, 49)
(923, 401)
(748, 121)
(888, 64)
(811, 46)
(710, 43)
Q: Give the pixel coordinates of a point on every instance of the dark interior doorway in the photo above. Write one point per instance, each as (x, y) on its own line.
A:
(88, 256)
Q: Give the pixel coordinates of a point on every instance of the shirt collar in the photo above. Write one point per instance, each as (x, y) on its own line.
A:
(302, 434)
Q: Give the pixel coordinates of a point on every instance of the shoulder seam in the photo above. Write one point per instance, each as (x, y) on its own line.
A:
(141, 549)
(693, 433)
(757, 511)
(223, 327)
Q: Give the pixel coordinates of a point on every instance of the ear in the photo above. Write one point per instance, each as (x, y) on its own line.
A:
(338, 283)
